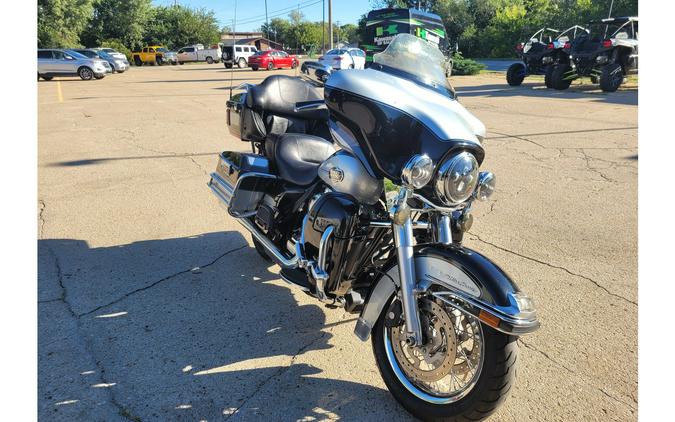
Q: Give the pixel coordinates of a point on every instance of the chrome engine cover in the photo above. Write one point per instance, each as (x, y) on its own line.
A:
(344, 173)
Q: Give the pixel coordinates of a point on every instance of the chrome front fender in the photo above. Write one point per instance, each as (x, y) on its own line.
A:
(470, 280)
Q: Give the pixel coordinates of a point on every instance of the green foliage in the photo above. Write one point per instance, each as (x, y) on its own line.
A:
(178, 26)
(464, 66)
(60, 22)
(122, 20)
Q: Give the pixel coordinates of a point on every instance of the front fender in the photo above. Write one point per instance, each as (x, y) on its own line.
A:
(478, 284)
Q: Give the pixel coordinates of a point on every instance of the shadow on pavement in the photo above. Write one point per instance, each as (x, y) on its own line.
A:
(187, 328)
(625, 96)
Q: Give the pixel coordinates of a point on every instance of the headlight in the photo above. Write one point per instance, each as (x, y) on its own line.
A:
(418, 171)
(457, 178)
(486, 185)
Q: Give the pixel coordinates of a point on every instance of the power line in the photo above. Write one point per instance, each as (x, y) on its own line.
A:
(245, 22)
(282, 11)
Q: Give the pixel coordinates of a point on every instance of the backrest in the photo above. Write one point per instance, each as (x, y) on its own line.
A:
(279, 94)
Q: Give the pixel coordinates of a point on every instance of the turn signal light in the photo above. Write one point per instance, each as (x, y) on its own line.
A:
(489, 319)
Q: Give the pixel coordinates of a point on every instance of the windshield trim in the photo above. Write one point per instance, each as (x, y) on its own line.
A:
(446, 90)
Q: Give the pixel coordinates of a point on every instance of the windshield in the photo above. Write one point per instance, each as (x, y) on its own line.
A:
(88, 53)
(413, 58)
(76, 54)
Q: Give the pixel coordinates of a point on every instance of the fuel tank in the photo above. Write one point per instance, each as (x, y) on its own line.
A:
(344, 173)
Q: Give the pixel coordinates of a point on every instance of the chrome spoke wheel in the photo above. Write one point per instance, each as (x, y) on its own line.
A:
(447, 366)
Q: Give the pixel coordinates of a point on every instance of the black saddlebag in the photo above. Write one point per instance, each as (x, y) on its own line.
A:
(240, 181)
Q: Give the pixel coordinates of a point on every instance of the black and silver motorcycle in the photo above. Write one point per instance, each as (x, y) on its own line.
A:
(443, 318)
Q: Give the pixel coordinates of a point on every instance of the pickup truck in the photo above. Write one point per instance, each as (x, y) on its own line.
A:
(153, 54)
(197, 53)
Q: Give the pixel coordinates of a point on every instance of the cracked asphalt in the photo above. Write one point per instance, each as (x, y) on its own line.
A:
(153, 305)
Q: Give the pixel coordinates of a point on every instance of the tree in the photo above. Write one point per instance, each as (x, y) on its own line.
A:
(349, 33)
(60, 22)
(178, 26)
(124, 20)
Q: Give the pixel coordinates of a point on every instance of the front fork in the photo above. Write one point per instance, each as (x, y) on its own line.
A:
(404, 242)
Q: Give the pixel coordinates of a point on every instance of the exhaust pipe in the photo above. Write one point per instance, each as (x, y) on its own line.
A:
(270, 248)
(225, 193)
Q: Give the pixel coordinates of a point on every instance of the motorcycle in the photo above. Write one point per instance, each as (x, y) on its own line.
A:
(443, 319)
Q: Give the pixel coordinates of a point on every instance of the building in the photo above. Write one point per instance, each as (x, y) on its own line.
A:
(249, 38)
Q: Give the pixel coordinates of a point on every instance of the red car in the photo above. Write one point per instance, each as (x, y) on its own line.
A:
(272, 59)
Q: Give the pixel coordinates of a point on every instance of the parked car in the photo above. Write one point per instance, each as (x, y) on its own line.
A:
(154, 54)
(272, 59)
(606, 54)
(197, 53)
(57, 62)
(540, 53)
(344, 58)
(238, 55)
(117, 60)
(94, 54)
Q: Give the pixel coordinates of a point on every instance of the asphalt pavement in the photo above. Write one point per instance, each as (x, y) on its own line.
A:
(153, 305)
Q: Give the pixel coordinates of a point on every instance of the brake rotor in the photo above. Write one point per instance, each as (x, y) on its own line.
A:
(433, 360)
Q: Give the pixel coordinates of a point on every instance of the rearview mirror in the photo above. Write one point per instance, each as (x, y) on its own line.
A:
(315, 72)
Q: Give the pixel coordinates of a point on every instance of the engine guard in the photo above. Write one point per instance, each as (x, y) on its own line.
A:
(474, 283)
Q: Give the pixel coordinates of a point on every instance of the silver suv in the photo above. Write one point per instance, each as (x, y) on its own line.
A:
(56, 62)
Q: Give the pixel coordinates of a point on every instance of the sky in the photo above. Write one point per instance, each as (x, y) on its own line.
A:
(251, 13)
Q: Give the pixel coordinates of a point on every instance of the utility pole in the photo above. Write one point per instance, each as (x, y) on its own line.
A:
(267, 23)
(323, 26)
(330, 24)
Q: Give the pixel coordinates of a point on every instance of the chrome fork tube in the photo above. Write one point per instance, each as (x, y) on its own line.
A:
(443, 231)
(404, 242)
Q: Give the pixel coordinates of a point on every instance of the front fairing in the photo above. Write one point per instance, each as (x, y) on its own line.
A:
(385, 120)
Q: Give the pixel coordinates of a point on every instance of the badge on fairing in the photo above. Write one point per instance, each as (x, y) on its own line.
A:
(336, 175)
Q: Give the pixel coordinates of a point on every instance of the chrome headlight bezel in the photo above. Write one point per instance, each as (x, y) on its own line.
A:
(448, 174)
(418, 171)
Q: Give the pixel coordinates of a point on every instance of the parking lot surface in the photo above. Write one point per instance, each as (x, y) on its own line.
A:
(153, 305)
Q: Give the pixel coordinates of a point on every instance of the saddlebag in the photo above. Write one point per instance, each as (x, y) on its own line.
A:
(240, 181)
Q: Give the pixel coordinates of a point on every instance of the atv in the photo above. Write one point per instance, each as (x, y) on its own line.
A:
(606, 54)
(539, 54)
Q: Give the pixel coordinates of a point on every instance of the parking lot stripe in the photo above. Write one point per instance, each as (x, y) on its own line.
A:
(58, 91)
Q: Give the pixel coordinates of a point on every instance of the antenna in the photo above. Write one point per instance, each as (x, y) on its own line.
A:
(234, 41)
(611, 6)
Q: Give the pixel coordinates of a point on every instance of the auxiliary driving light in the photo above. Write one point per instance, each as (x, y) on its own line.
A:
(486, 185)
(418, 171)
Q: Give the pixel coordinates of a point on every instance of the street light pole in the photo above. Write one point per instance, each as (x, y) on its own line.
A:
(323, 26)
(330, 24)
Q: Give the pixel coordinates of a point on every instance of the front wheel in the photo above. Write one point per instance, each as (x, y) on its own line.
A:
(85, 73)
(270, 66)
(515, 75)
(548, 76)
(560, 77)
(611, 77)
(138, 61)
(463, 371)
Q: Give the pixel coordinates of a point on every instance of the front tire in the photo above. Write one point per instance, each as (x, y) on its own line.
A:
(85, 73)
(209, 60)
(515, 74)
(270, 66)
(558, 77)
(138, 61)
(548, 76)
(611, 77)
(497, 375)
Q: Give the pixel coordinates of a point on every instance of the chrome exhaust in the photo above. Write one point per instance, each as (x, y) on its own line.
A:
(225, 193)
(270, 248)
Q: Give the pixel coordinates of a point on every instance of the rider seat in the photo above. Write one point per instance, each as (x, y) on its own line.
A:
(297, 156)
